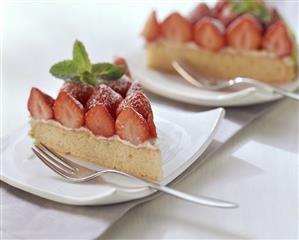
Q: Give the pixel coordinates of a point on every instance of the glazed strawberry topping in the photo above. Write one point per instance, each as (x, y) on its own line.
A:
(151, 125)
(135, 87)
(209, 34)
(200, 11)
(138, 101)
(242, 25)
(120, 85)
(79, 91)
(277, 40)
(151, 29)
(68, 110)
(40, 104)
(131, 126)
(244, 33)
(175, 27)
(99, 121)
(122, 62)
(104, 95)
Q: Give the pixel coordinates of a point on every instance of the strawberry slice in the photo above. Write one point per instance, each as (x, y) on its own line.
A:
(139, 102)
(79, 91)
(68, 110)
(244, 33)
(135, 87)
(122, 62)
(99, 121)
(120, 85)
(176, 28)
(131, 126)
(209, 34)
(151, 126)
(104, 95)
(40, 105)
(200, 11)
(151, 28)
(277, 40)
(218, 7)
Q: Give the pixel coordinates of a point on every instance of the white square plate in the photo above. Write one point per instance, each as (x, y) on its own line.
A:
(174, 87)
(183, 137)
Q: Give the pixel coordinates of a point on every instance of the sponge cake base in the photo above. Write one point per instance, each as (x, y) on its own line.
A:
(225, 64)
(141, 161)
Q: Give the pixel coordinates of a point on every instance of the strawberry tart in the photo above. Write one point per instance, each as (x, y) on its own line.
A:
(99, 115)
(231, 39)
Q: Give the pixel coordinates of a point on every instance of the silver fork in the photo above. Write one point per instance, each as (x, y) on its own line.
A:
(77, 173)
(205, 82)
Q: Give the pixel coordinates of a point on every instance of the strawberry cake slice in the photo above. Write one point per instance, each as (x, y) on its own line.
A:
(100, 115)
(231, 39)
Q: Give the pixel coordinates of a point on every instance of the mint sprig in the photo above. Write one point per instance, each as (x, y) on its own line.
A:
(80, 69)
(256, 8)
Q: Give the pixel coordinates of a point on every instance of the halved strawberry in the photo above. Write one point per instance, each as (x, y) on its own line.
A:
(226, 16)
(151, 126)
(176, 28)
(99, 121)
(200, 11)
(135, 87)
(151, 29)
(277, 40)
(120, 85)
(131, 126)
(139, 102)
(79, 91)
(122, 62)
(68, 110)
(244, 33)
(209, 34)
(218, 7)
(40, 104)
(104, 95)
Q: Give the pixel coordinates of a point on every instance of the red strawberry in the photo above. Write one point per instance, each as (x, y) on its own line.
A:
(152, 126)
(176, 28)
(209, 33)
(200, 11)
(122, 62)
(40, 104)
(277, 40)
(68, 110)
(151, 28)
(79, 91)
(219, 6)
(104, 95)
(131, 126)
(226, 16)
(135, 87)
(120, 85)
(99, 121)
(139, 102)
(244, 33)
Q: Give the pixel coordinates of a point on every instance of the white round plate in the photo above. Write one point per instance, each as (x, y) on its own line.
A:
(174, 87)
(183, 136)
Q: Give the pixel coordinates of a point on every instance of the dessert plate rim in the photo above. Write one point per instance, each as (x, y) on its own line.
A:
(110, 193)
(162, 83)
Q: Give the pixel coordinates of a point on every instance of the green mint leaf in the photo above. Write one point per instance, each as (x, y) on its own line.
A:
(66, 70)
(107, 71)
(257, 9)
(80, 57)
(88, 78)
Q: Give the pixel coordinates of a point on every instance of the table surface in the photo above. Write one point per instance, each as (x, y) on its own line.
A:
(258, 168)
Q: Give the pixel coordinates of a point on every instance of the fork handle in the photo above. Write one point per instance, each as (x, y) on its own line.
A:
(206, 201)
(286, 93)
(269, 88)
